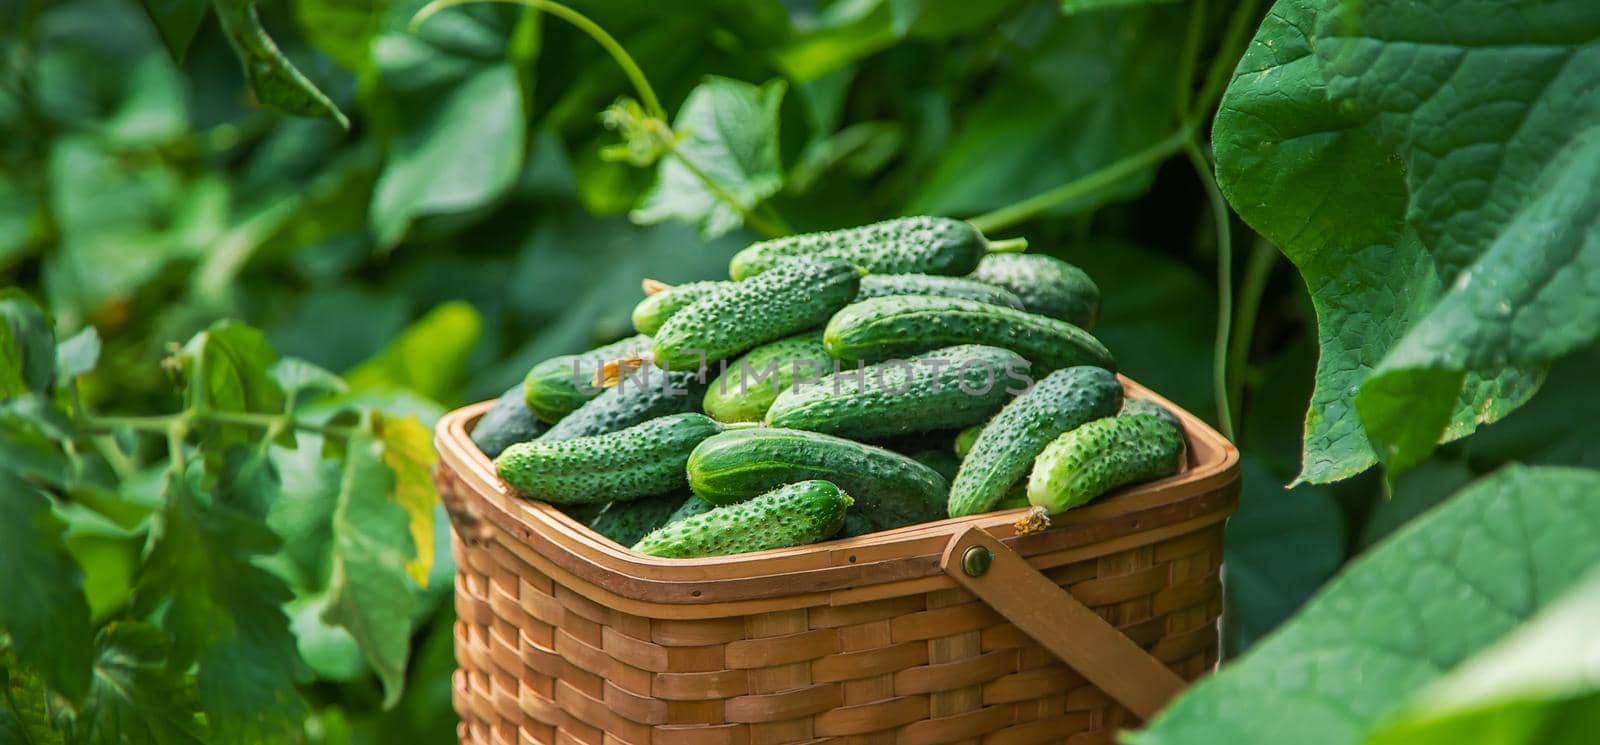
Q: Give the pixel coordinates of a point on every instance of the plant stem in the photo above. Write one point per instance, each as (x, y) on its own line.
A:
(1191, 54)
(1219, 350)
(1012, 214)
(647, 94)
(1228, 54)
(1257, 270)
(163, 423)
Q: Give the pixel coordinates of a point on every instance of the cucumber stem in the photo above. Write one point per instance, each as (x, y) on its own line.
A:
(613, 371)
(653, 286)
(1008, 246)
(1035, 520)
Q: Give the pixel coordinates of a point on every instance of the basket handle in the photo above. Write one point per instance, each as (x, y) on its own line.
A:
(1054, 618)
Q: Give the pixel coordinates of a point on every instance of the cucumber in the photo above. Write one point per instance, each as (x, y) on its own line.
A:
(748, 385)
(1047, 286)
(559, 385)
(643, 395)
(691, 506)
(1007, 445)
(1016, 498)
(890, 285)
(1136, 406)
(904, 245)
(640, 461)
(583, 513)
(506, 423)
(791, 298)
(1098, 457)
(791, 515)
(627, 522)
(890, 489)
(964, 440)
(943, 389)
(888, 327)
(664, 301)
(941, 460)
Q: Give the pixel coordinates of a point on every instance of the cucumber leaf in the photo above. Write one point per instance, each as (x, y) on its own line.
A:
(1420, 603)
(47, 616)
(138, 697)
(1538, 687)
(1339, 139)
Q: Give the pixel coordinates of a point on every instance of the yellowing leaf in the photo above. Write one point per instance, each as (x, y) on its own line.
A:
(408, 451)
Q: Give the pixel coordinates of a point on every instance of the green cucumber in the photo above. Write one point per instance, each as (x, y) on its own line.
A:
(1100, 456)
(1007, 445)
(791, 515)
(664, 301)
(1137, 406)
(890, 489)
(964, 440)
(1047, 286)
(748, 385)
(793, 297)
(891, 285)
(506, 423)
(627, 522)
(583, 513)
(640, 461)
(690, 507)
(941, 460)
(904, 245)
(889, 327)
(943, 389)
(1016, 498)
(643, 395)
(559, 385)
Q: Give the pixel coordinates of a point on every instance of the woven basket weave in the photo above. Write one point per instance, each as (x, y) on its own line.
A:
(565, 637)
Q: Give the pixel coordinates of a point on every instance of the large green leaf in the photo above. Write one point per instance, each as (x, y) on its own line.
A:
(225, 613)
(138, 697)
(1423, 601)
(1444, 261)
(368, 594)
(1537, 687)
(1091, 92)
(459, 108)
(729, 134)
(46, 614)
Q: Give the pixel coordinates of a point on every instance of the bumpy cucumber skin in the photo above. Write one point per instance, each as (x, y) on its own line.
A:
(1103, 455)
(960, 393)
(551, 391)
(890, 489)
(893, 285)
(1047, 286)
(627, 522)
(889, 327)
(1137, 406)
(506, 423)
(640, 397)
(655, 309)
(1007, 445)
(690, 507)
(904, 245)
(725, 401)
(791, 515)
(796, 295)
(640, 461)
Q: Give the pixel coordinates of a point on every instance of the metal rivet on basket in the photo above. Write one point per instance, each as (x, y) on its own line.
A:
(975, 562)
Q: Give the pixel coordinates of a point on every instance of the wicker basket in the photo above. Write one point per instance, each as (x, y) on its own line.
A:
(945, 632)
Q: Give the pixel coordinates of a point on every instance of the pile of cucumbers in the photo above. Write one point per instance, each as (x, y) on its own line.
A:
(841, 383)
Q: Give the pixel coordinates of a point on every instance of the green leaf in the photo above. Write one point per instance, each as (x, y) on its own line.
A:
(138, 697)
(728, 132)
(27, 345)
(225, 613)
(460, 109)
(30, 713)
(1340, 140)
(342, 29)
(1537, 687)
(408, 452)
(1423, 601)
(1281, 546)
(275, 80)
(177, 21)
(429, 357)
(1089, 94)
(46, 614)
(296, 377)
(841, 33)
(368, 594)
(77, 355)
(229, 367)
(1086, 6)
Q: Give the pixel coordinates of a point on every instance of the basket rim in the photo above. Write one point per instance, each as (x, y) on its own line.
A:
(1203, 493)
